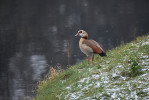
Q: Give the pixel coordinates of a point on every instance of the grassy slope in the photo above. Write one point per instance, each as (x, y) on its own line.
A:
(123, 74)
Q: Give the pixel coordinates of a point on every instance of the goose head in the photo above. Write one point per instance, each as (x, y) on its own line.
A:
(82, 34)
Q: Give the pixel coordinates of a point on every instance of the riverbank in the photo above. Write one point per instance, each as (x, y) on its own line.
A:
(123, 74)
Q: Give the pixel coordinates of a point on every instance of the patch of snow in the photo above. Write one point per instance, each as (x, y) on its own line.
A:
(63, 81)
(144, 75)
(124, 78)
(119, 65)
(90, 69)
(144, 56)
(145, 43)
(79, 86)
(106, 82)
(95, 76)
(85, 79)
(68, 88)
(105, 77)
(134, 95)
(146, 90)
(85, 88)
(113, 95)
(107, 62)
(73, 96)
(97, 84)
(144, 69)
(114, 75)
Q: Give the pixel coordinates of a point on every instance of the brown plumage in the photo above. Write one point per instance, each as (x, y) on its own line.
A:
(89, 47)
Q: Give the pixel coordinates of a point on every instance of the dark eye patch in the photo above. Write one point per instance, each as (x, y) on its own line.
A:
(80, 31)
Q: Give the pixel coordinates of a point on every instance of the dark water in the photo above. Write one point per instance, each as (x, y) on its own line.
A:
(34, 35)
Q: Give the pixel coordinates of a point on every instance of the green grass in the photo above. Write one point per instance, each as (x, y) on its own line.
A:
(123, 74)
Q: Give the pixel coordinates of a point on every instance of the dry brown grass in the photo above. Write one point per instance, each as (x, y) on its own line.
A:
(53, 72)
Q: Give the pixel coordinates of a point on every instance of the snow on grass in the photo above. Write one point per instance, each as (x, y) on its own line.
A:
(85, 80)
(103, 80)
(73, 96)
(113, 85)
(123, 74)
(146, 42)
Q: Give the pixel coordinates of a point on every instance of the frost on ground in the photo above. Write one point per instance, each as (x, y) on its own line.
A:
(112, 85)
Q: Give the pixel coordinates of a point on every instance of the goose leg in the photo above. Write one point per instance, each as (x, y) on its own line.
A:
(93, 60)
(88, 61)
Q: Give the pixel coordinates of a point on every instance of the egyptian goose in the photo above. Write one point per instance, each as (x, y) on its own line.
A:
(89, 47)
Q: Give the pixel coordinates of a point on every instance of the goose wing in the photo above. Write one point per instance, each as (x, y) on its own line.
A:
(94, 45)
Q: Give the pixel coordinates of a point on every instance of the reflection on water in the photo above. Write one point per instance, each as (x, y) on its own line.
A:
(38, 64)
(25, 72)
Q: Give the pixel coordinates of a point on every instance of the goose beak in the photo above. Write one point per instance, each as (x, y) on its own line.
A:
(77, 34)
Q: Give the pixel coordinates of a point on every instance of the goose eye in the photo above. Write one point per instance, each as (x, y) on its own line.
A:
(80, 31)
